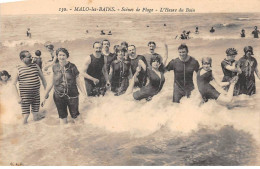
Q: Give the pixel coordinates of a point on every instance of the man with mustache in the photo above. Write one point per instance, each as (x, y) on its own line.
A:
(152, 54)
(138, 61)
(95, 71)
(110, 57)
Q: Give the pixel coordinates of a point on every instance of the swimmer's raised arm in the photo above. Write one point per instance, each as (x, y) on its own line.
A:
(165, 54)
(142, 64)
(49, 87)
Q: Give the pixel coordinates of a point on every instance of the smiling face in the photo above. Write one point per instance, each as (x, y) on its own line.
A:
(62, 57)
(156, 64)
(97, 48)
(183, 53)
(206, 66)
(231, 57)
(4, 78)
(27, 59)
(152, 47)
(132, 51)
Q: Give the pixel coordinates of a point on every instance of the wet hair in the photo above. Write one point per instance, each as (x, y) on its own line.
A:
(255, 27)
(248, 48)
(116, 47)
(183, 46)
(206, 59)
(151, 42)
(38, 53)
(64, 50)
(5, 73)
(231, 51)
(95, 43)
(155, 58)
(106, 41)
(124, 43)
(22, 54)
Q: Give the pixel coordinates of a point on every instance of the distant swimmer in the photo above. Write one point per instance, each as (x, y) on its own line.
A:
(183, 35)
(164, 24)
(197, 30)
(86, 31)
(255, 32)
(102, 32)
(212, 30)
(243, 33)
(207, 91)
(147, 26)
(28, 33)
(109, 33)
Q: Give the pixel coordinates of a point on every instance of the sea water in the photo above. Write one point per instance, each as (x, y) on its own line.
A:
(119, 130)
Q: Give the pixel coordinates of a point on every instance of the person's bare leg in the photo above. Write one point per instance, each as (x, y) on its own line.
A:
(63, 121)
(25, 118)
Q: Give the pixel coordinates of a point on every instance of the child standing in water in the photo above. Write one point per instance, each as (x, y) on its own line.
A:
(29, 86)
(207, 91)
(37, 59)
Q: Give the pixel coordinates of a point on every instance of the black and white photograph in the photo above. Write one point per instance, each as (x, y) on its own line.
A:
(129, 83)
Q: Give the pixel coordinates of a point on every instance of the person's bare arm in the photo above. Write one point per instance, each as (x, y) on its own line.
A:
(257, 72)
(80, 86)
(84, 70)
(142, 64)
(44, 83)
(15, 80)
(165, 54)
(104, 70)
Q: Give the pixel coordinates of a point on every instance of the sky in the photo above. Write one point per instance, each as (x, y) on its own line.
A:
(53, 6)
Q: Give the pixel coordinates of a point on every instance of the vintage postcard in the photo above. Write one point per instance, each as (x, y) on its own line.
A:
(129, 83)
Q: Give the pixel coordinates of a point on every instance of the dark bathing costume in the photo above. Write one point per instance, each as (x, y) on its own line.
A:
(183, 77)
(110, 58)
(206, 90)
(247, 78)
(142, 77)
(228, 75)
(95, 70)
(65, 90)
(120, 74)
(154, 86)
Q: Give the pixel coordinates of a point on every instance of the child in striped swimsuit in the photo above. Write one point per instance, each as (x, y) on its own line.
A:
(29, 85)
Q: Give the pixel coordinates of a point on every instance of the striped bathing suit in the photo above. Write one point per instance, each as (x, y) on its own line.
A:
(29, 87)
